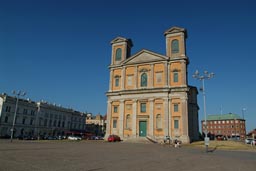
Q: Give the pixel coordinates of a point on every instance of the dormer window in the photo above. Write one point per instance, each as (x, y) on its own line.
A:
(118, 54)
(175, 46)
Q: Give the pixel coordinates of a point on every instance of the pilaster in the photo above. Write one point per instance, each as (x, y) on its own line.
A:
(136, 77)
(185, 134)
(151, 117)
(121, 119)
(184, 72)
(123, 78)
(166, 116)
(134, 118)
(151, 76)
(110, 79)
(109, 118)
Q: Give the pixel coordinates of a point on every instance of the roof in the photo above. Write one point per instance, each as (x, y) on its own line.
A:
(229, 116)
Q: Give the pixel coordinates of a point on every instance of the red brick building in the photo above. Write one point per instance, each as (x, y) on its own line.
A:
(227, 125)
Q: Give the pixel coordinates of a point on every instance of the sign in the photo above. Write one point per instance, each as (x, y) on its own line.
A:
(207, 141)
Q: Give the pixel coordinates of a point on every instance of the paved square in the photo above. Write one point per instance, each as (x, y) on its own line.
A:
(97, 155)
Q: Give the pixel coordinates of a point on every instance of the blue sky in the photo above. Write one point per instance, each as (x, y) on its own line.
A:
(59, 51)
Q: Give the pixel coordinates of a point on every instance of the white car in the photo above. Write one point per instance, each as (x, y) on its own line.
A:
(74, 138)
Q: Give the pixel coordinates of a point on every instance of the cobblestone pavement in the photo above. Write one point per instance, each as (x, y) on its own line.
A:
(99, 155)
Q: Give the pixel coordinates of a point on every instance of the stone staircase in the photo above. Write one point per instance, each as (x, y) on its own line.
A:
(143, 140)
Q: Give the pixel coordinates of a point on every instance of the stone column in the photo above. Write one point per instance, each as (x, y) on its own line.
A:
(123, 78)
(134, 118)
(121, 119)
(110, 79)
(109, 118)
(151, 117)
(166, 116)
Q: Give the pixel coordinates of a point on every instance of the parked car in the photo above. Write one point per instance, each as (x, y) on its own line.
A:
(74, 138)
(253, 142)
(248, 140)
(113, 138)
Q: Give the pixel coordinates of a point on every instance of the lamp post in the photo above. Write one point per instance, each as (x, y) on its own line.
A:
(17, 94)
(205, 75)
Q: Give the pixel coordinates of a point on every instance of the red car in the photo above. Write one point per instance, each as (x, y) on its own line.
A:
(113, 138)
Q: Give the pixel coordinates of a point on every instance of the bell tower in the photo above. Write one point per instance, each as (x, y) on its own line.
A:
(176, 42)
(121, 50)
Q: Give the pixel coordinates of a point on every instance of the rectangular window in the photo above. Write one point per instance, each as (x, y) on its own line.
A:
(32, 112)
(24, 121)
(6, 119)
(175, 77)
(117, 81)
(114, 123)
(143, 107)
(129, 80)
(159, 77)
(115, 109)
(8, 109)
(31, 121)
(176, 124)
(25, 111)
(176, 107)
(45, 122)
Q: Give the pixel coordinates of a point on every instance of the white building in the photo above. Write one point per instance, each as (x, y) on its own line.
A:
(38, 118)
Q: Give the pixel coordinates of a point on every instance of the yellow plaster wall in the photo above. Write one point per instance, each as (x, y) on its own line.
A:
(118, 110)
(158, 102)
(176, 114)
(127, 110)
(130, 71)
(159, 68)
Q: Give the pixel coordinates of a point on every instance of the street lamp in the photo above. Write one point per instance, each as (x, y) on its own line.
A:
(205, 75)
(17, 94)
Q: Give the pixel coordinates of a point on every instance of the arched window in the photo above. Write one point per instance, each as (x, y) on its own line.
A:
(118, 54)
(158, 121)
(175, 46)
(128, 121)
(144, 80)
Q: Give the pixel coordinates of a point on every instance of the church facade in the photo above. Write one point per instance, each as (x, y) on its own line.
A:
(149, 95)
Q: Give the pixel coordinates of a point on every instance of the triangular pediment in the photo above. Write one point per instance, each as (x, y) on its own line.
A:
(175, 29)
(121, 39)
(145, 56)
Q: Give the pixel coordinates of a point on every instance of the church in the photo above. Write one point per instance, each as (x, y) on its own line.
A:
(149, 95)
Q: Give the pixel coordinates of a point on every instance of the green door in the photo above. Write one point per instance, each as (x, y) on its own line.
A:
(143, 128)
